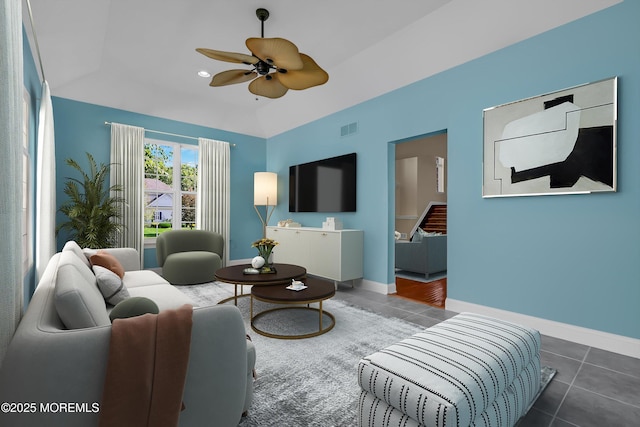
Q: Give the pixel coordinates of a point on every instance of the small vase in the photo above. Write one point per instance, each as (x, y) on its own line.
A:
(268, 264)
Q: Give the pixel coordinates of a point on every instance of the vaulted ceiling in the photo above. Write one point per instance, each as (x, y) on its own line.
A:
(139, 55)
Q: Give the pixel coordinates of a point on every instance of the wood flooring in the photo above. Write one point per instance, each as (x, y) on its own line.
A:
(433, 293)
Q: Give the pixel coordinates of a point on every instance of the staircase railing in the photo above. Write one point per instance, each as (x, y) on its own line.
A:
(424, 214)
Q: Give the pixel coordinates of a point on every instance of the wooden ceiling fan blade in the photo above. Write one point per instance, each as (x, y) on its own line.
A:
(238, 58)
(231, 77)
(276, 51)
(270, 88)
(310, 75)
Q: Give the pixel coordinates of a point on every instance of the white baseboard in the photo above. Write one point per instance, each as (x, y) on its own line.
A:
(377, 287)
(590, 337)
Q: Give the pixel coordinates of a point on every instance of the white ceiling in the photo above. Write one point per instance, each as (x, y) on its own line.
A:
(139, 55)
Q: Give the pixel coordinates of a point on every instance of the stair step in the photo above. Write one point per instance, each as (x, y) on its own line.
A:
(435, 220)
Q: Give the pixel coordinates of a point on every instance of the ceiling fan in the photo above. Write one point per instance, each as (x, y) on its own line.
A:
(277, 66)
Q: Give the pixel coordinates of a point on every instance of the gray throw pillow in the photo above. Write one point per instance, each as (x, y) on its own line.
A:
(134, 306)
(110, 285)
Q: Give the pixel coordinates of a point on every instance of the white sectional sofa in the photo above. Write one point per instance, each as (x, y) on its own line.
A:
(60, 349)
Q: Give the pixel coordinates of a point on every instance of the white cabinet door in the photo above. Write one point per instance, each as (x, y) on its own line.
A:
(324, 254)
(289, 249)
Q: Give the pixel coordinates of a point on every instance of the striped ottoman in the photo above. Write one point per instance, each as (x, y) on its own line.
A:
(469, 370)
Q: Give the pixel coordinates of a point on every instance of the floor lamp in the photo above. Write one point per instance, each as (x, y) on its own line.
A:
(265, 193)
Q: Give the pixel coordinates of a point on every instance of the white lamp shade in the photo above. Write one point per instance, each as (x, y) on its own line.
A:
(265, 188)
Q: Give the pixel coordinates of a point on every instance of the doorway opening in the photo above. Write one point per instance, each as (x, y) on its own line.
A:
(421, 219)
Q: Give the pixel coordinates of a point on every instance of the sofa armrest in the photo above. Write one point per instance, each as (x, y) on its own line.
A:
(437, 250)
(216, 385)
(46, 367)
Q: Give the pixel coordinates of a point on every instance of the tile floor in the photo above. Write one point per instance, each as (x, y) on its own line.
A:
(593, 387)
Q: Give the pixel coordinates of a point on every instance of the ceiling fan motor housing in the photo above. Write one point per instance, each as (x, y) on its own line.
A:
(262, 68)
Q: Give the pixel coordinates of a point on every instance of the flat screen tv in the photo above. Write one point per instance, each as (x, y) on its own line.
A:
(327, 185)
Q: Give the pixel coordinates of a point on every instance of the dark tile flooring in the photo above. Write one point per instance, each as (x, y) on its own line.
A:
(593, 387)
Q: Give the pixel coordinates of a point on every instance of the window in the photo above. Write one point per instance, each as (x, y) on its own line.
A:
(26, 187)
(170, 186)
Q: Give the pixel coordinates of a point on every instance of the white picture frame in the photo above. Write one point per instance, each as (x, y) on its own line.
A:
(562, 142)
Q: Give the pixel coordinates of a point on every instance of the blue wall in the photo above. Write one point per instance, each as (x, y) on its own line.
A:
(80, 128)
(573, 259)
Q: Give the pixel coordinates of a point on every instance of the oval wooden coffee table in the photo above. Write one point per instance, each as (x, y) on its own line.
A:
(317, 291)
(235, 275)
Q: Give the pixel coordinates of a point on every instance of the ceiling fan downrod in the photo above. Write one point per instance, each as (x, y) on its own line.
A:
(263, 15)
(263, 68)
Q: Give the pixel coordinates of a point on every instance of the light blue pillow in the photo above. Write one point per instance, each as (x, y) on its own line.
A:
(110, 285)
(419, 235)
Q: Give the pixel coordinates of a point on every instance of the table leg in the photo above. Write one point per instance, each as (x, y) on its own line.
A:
(320, 312)
(235, 293)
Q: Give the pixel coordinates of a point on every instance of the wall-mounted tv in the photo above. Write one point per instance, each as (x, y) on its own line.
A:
(327, 185)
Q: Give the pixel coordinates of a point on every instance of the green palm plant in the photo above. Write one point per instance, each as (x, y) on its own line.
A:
(91, 210)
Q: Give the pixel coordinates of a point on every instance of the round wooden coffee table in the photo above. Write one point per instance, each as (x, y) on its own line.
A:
(235, 275)
(317, 291)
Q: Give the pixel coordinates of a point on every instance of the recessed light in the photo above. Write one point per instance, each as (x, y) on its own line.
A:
(204, 74)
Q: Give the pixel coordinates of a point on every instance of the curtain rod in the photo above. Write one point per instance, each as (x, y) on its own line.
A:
(35, 39)
(169, 133)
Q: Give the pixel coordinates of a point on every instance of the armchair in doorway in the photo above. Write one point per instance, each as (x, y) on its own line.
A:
(426, 255)
(189, 257)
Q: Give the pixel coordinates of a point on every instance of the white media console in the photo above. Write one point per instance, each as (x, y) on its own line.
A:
(333, 254)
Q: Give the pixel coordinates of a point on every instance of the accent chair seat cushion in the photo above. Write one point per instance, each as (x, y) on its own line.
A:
(189, 257)
(192, 267)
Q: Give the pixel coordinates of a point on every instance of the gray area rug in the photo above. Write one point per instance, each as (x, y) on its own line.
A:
(312, 381)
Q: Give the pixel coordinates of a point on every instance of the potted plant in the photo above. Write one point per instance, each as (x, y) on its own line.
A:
(91, 209)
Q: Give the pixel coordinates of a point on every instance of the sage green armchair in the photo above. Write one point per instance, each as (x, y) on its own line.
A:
(189, 257)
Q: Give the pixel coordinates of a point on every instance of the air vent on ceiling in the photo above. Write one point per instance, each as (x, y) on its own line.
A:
(349, 129)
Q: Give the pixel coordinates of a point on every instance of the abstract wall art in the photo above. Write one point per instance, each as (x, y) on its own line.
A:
(559, 143)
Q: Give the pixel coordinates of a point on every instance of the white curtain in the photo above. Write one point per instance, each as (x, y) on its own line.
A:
(11, 90)
(127, 171)
(46, 184)
(212, 206)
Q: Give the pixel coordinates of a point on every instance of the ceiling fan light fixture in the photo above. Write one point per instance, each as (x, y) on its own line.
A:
(205, 74)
